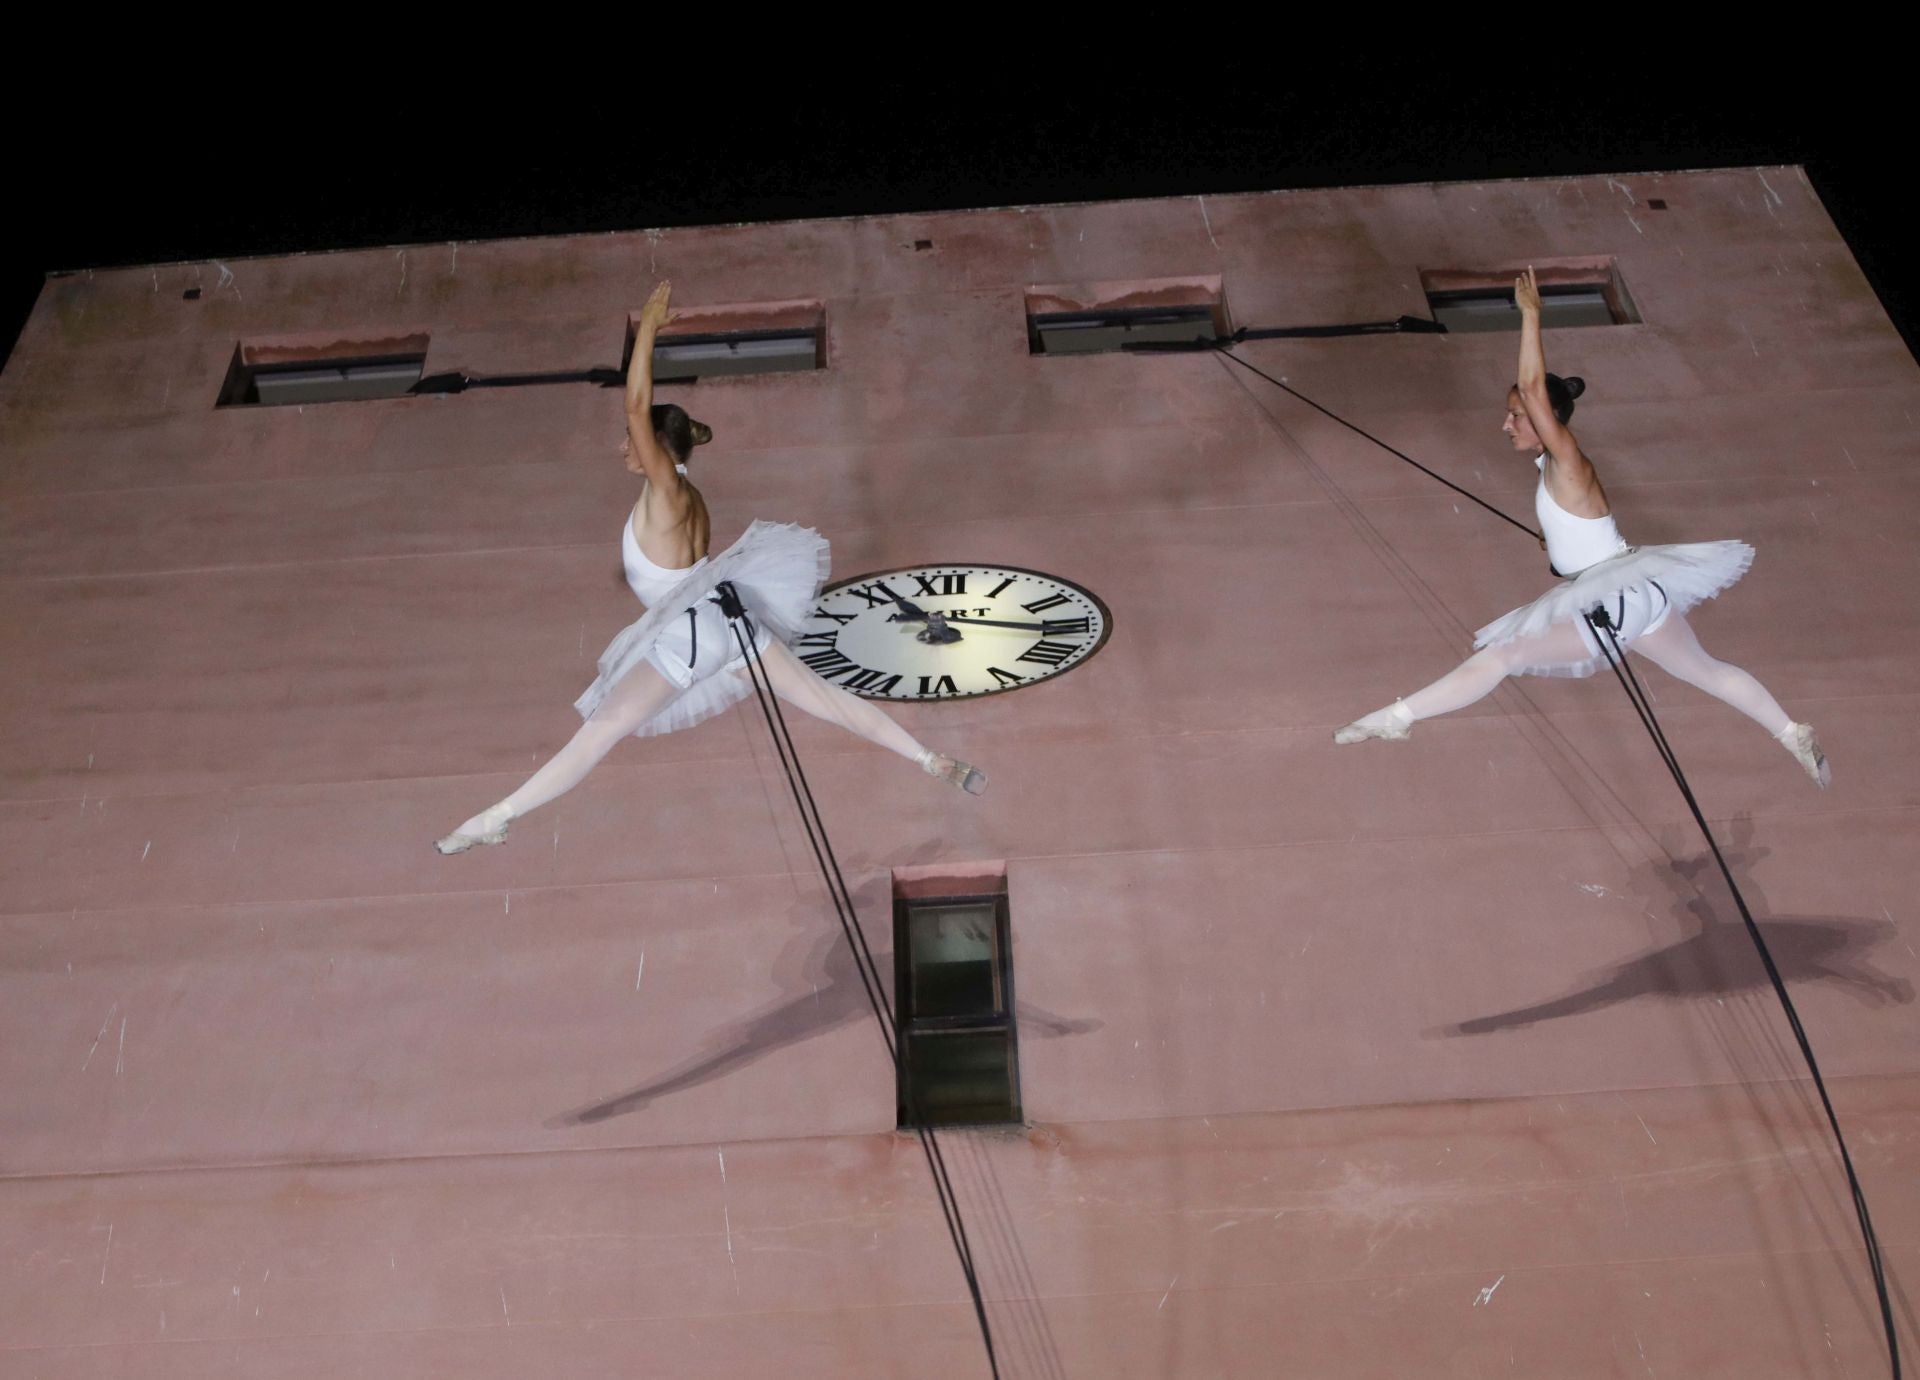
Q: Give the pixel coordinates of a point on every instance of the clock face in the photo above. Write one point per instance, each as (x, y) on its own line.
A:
(945, 632)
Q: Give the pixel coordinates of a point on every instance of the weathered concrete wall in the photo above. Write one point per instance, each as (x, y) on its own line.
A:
(287, 1093)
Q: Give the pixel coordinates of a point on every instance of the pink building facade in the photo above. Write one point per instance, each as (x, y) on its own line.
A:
(1438, 1059)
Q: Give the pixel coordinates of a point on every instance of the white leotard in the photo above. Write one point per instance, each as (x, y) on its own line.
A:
(1573, 543)
(648, 581)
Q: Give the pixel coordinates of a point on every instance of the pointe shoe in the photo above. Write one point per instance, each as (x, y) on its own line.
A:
(952, 770)
(1394, 724)
(1799, 740)
(491, 827)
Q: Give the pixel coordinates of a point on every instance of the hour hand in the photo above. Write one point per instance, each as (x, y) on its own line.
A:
(936, 633)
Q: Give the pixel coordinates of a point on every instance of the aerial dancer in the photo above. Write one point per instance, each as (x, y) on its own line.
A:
(680, 663)
(1644, 591)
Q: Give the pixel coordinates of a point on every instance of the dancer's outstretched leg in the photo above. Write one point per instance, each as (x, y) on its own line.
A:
(795, 683)
(1473, 679)
(1674, 649)
(640, 694)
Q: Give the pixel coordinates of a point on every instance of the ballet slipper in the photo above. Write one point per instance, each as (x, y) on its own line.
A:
(1799, 740)
(965, 775)
(487, 827)
(1394, 724)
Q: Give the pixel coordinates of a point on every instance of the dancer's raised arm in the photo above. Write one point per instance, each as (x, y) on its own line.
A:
(1570, 475)
(645, 454)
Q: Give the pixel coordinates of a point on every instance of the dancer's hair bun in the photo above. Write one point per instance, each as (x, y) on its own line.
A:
(1561, 393)
(676, 430)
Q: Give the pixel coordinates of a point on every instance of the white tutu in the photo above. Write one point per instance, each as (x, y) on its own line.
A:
(1687, 573)
(777, 568)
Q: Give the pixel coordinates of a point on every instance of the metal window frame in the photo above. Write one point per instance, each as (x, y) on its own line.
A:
(909, 1027)
(241, 387)
(1558, 278)
(1203, 317)
(666, 370)
(1589, 293)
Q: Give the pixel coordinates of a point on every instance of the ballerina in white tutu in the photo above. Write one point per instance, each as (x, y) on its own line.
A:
(681, 663)
(1645, 591)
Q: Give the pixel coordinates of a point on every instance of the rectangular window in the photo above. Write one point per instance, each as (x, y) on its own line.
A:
(1573, 292)
(953, 981)
(278, 373)
(728, 341)
(1097, 318)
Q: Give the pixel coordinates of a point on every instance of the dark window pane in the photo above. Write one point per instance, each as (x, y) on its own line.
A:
(1097, 332)
(681, 358)
(1494, 310)
(321, 381)
(344, 382)
(953, 951)
(963, 1076)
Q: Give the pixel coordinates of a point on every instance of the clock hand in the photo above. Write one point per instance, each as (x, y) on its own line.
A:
(1049, 625)
(911, 612)
(936, 633)
(995, 623)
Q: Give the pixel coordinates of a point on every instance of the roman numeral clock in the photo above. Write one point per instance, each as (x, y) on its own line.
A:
(943, 632)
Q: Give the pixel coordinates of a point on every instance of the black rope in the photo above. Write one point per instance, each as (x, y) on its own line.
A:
(1399, 454)
(1617, 659)
(864, 961)
(1644, 709)
(458, 382)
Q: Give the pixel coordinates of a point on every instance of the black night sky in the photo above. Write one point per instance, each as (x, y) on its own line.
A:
(178, 176)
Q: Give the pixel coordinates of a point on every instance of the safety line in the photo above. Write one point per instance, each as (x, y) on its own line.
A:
(1636, 696)
(864, 961)
(1643, 705)
(1393, 451)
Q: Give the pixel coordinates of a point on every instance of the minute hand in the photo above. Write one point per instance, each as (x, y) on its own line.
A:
(1048, 626)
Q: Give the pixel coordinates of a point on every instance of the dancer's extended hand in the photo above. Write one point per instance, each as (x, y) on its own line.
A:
(655, 312)
(1526, 293)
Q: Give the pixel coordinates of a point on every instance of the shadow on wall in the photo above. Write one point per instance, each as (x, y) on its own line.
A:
(826, 994)
(1718, 958)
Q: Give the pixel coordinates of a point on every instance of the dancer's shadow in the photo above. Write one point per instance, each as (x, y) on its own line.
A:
(828, 994)
(1718, 957)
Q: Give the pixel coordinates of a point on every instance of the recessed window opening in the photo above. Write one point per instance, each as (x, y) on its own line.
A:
(1090, 333)
(689, 359)
(1098, 318)
(280, 374)
(1573, 292)
(732, 341)
(953, 980)
(1492, 309)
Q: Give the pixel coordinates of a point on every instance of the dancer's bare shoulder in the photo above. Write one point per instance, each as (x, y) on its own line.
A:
(670, 523)
(1572, 479)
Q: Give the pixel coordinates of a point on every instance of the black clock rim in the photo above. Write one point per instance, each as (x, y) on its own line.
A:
(1106, 624)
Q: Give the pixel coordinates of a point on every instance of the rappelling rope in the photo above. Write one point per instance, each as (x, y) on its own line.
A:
(843, 909)
(1616, 658)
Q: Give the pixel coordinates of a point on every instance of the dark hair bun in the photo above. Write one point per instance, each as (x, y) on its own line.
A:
(1560, 395)
(675, 429)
